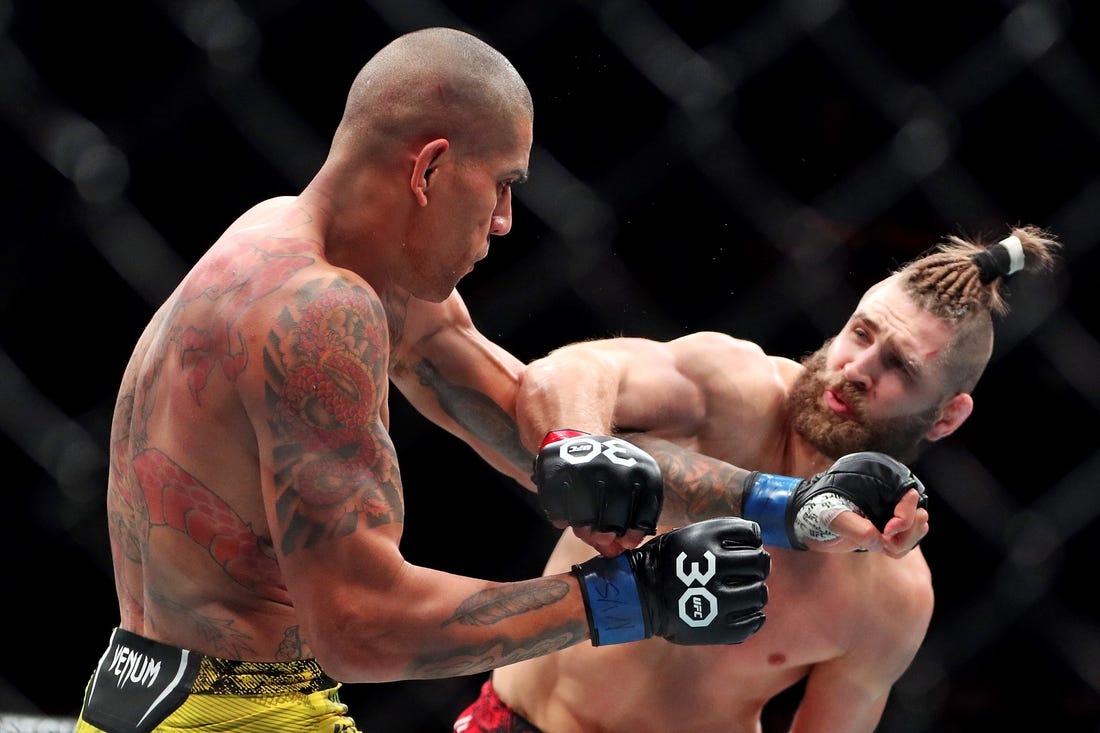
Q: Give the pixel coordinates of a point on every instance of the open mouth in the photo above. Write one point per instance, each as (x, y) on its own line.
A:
(835, 402)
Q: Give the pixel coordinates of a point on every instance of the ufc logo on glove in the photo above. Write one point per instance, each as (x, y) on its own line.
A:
(699, 584)
(698, 606)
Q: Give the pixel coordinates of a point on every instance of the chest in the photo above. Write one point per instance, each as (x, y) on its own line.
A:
(809, 618)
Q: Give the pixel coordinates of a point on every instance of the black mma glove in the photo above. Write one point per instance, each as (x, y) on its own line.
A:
(598, 481)
(700, 584)
(872, 482)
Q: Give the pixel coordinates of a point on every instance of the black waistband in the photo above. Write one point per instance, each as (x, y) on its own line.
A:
(139, 682)
(214, 675)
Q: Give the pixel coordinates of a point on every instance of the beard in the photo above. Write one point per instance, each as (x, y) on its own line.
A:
(836, 436)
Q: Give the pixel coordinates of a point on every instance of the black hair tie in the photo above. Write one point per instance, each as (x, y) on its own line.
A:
(1001, 260)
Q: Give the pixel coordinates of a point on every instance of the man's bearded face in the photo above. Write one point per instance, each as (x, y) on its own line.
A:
(834, 435)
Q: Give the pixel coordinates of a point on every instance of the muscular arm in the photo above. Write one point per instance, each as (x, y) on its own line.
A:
(655, 395)
(696, 486)
(463, 382)
(608, 386)
(699, 487)
(676, 399)
(334, 503)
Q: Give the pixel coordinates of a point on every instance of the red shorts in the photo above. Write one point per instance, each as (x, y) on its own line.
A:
(489, 714)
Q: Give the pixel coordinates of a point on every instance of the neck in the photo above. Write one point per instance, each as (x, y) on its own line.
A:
(802, 459)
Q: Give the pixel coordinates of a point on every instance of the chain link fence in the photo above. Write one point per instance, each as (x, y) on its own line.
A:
(747, 167)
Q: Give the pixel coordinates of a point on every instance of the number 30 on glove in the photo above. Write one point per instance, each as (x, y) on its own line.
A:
(598, 481)
(700, 584)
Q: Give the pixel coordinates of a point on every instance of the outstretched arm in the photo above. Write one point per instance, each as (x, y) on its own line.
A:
(468, 385)
(334, 504)
(698, 487)
(575, 397)
(463, 382)
(698, 384)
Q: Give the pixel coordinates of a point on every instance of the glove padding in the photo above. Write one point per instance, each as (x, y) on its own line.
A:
(874, 482)
(598, 481)
(700, 584)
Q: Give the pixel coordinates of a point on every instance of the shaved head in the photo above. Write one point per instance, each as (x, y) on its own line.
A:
(429, 84)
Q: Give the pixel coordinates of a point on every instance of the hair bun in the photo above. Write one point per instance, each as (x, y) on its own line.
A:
(1001, 260)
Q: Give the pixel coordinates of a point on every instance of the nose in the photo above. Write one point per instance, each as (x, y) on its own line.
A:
(860, 370)
(501, 222)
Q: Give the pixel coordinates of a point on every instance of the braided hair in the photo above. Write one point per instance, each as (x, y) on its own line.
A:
(961, 282)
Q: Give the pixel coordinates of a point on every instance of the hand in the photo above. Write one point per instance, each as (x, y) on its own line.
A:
(608, 544)
(902, 533)
(700, 584)
(792, 511)
(610, 491)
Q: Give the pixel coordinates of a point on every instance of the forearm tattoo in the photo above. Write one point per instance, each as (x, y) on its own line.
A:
(696, 486)
(496, 604)
(492, 606)
(478, 414)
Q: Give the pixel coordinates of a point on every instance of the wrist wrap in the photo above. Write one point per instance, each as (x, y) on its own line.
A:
(611, 600)
(766, 502)
(560, 434)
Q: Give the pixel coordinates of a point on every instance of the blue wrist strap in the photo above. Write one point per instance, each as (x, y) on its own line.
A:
(612, 600)
(766, 504)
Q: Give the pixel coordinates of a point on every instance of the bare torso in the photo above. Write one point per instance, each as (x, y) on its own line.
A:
(190, 535)
(816, 613)
(825, 610)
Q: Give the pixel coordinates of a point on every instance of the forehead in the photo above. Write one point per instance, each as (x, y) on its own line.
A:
(523, 137)
(893, 315)
(505, 148)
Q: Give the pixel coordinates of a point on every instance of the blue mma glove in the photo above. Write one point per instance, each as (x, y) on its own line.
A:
(700, 584)
(868, 482)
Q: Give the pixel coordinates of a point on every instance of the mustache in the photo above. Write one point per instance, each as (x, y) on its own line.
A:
(849, 394)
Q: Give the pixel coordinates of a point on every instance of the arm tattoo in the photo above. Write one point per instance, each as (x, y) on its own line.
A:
(696, 486)
(478, 414)
(326, 368)
(490, 606)
(498, 653)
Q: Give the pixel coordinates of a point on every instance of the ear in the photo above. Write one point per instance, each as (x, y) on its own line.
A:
(423, 167)
(953, 414)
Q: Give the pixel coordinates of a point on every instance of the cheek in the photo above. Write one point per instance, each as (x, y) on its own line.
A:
(836, 352)
(893, 397)
(834, 361)
(474, 215)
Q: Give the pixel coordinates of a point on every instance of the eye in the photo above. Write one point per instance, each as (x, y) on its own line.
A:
(900, 365)
(509, 182)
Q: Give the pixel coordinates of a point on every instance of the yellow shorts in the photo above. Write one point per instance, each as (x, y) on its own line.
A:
(141, 685)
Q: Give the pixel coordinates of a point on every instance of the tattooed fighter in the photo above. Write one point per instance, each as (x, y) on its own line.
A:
(254, 496)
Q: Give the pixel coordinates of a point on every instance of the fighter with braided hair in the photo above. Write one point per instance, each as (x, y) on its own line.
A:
(255, 499)
(739, 432)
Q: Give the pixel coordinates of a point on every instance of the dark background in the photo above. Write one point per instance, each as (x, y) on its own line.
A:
(740, 166)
